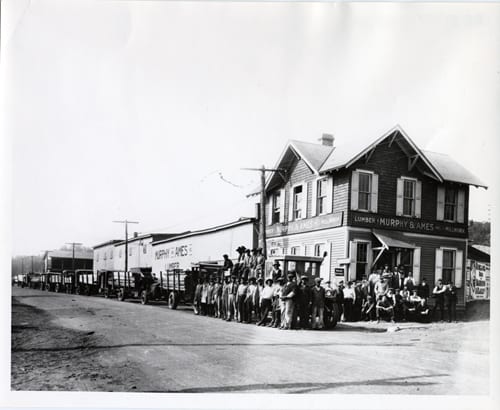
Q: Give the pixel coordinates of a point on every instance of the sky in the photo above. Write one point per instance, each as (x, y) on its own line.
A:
(133, 110)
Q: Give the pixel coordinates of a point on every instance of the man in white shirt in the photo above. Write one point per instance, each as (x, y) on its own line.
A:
(349, 299)
(267, 301)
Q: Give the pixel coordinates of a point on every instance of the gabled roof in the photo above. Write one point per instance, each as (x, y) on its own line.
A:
(451, 170)
(314, 155)
(349, 154)
(322, 159)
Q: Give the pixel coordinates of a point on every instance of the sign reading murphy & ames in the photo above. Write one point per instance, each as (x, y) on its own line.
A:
(304, 225)
(399, 223)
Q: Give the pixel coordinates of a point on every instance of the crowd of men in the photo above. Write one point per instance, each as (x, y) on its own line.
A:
(244, 295)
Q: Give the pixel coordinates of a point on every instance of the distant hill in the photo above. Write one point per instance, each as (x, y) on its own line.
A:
(479, 232)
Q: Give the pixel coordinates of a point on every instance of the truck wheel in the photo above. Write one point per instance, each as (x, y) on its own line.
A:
(120, 295)
(144, 297)
(173, 300)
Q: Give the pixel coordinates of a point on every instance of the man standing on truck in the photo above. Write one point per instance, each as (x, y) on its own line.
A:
(260, 264)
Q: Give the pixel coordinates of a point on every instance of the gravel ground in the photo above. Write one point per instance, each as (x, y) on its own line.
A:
(77, 343)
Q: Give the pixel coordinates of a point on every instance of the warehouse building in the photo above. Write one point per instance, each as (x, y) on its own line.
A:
(140, 250)
(206, 245)
(104, 255)
(59, 260)
(361, 207)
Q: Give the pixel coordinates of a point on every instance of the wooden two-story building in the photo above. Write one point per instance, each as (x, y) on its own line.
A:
(361, 207)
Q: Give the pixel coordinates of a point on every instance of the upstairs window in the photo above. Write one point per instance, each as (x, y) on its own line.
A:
(144, 248)
(450, 204)
(364, 194)
(448, 265)
(409, 197)
(276, 207)
(321, 195)
(297, 202)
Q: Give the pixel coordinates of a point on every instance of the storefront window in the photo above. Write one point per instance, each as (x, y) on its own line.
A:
(448, 265)
(361, 259)
(364, 193)
(407, 260)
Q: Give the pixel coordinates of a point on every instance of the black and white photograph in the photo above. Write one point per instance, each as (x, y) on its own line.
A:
(239, 204)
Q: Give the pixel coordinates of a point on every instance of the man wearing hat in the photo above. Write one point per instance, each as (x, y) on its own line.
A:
(276, 271)
(304, 302)
(278, 304)
(232, 294)
(288, 296)
(267, 300)
(318, 304)
(260, 264)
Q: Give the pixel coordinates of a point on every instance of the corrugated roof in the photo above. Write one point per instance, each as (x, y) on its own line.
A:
(111, 242)
(154, 236)
(452, 170)
(79, 254)
(240, 221)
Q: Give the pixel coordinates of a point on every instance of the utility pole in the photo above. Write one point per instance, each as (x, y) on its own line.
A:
(262, 227)
(73, 245)
(32, 263)
(126, 239)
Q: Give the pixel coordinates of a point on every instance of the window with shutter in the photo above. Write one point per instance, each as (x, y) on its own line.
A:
(354, 190)
(374, 194)
(353, 248)
(364, 191)
(439, 264)
(450, 204)
(282, 206)
(416, 265)
(440, 203)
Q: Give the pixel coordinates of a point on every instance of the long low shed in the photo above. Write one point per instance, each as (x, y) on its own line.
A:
(206, 245)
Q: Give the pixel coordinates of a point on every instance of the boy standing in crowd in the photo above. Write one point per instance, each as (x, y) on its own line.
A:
(450, 300)
(318, 304)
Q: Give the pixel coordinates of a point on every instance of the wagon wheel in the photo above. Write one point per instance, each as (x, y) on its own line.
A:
(144, 297)
(120, 295)
(173, 300)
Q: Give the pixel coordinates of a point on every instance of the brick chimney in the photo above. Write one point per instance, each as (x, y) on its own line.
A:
(327, 139)
(136, 234)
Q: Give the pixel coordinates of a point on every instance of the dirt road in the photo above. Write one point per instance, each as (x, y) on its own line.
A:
(69, 342)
